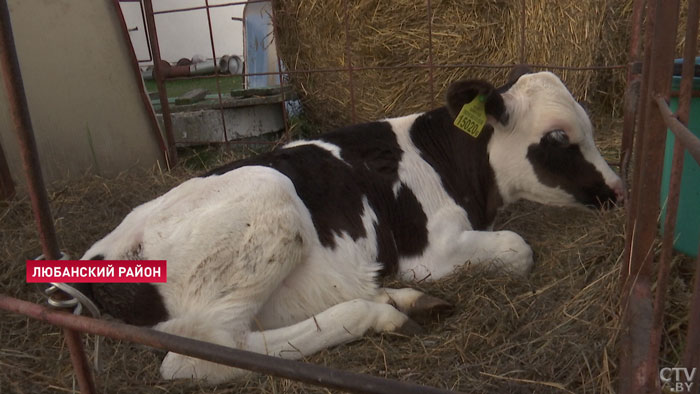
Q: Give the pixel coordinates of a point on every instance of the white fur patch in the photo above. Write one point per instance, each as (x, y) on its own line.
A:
(332, 148)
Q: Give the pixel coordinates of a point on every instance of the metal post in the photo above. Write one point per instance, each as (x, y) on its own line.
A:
(160, 83)
(631, 99)
(216, 71)
(637, 306)
(430, 53)
(7, 186)
(19, 112)
(139, 81)
(348, 59)
(673, 193)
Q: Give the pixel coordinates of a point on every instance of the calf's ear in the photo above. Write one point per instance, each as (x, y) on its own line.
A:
(463, 92)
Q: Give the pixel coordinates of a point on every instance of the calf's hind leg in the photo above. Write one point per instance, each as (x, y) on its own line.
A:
(344, 322)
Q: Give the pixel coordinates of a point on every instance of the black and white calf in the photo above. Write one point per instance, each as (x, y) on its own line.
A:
(281, 253)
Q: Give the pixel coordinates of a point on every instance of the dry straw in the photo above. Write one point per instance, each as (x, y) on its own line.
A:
(555, 331)
(575, 33)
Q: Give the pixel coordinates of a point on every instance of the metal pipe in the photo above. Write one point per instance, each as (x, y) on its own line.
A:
(637, 304)
(348, 59)
(216, 70)
(430, 53)
(631, 203)
(299, 371)
(158, 76)
(19, 111)
(689, 141)
(275, 37)
(673, 191)
(631, 99)
(155, 128)
(211, 6)
(691, 354)
(7, 185)
(169, 74)
(523, 20)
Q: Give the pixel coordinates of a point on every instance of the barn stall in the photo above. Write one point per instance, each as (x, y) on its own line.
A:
(562, 329)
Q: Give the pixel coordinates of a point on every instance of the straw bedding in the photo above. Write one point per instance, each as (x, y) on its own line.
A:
(555, 331)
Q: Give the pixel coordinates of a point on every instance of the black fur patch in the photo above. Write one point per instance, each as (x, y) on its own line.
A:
(564, 166)
(136, 303)
(333, 190)
(462, 163)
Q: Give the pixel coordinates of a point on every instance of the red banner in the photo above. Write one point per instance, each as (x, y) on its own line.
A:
(96, 271)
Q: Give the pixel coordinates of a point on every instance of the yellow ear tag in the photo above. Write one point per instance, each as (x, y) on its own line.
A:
(472, 117)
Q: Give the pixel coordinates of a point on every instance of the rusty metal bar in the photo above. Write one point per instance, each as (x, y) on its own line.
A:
(143, 19)
(216, 70)
(691, 355)
(631, 203)
(637, 305)
(211, 6)
(348, 59)
(410, 66)
(430, 53)
(674, 187)
(299, 371)
(19, 112)
(631, 99)
(7, 185)
(155, 128)
(523, 20)
(689, 141)
(275, 37)
(158, 76)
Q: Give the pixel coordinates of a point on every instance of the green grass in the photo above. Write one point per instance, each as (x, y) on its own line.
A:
(178, 87)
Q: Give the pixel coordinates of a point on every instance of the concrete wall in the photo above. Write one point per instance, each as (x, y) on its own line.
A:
(84, 100)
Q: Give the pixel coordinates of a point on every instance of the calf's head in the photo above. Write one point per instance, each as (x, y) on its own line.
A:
(542, 147)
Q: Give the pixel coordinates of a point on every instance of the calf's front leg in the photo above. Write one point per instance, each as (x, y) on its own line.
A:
(503, 251)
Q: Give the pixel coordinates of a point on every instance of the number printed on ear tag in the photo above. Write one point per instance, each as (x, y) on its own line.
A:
(472, 117)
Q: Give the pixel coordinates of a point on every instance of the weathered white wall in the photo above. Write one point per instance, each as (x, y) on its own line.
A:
(84, 100)
(184, 34)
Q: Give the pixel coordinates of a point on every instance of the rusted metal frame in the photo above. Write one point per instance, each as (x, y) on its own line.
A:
(211, 6)
(631, 99)
(348, 59)
(431, 69)
(216, 70)
(7, 185)
(160, 83)
(638, 142)
(523, 17)
(275, 37)
(299, 371)
(143, 19)
(410, 66)
(691, 354)
(155, 128)
(19, 112)
(669, 225)
(688, 140)
(637, 308)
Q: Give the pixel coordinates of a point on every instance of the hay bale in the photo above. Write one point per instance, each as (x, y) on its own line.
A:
(312, 36)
